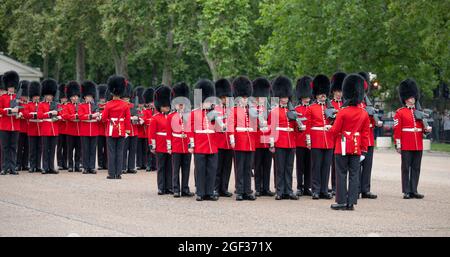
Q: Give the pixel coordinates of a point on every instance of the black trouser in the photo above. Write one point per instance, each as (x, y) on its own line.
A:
(115, 155)
(366, 171)
(164, 176)
(284, 167)
(61, 151)
(129, 154)
(348, 164)
(89, 146)
(411, 161)
(224, 164)
(333, 174)
(102, 152)
(320, 170)
(48, 152)
(183, 162)
(243, 172)
(205, 173)
(9, 149)
(35, 152)
(141, 153)
(74, 144)
(303, 163)
(22, 151)
(151, 159)
(263, 165)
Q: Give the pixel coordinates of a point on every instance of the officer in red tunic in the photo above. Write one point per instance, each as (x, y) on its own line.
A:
(336, 101)
(9, 123)
(178, 141)
(22, 148)
(73, 130)
(102, 157)
(141, 147)
(30, 112)
(351, 133)
(263, 156)
(118, 119)
(148, 112)
(158, 140)
(89, 115)
(282, 138)
(303, 92)
(129, 153)
(319, 139)
(203, 141)
(408, 134)
(48, 113)
(225, 138)
(61, 148)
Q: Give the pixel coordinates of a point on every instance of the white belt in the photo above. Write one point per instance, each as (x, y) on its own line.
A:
(240, 129)
(370, 126)
(116, 119)
(161, 133)
(179, 135)
(90, 121)
(48, 120)
(348, 133)
(411, 129)
(285, 129)
(35, 121)
(318, 128)
(206, 131)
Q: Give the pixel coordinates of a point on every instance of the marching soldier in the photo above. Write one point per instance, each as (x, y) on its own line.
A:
(319, 139)
(409, 127)
(48, 113)
(351, 133)
(89, 114)
(263, 156)
(177, 140)
(225, 139)
(282, 138)
(61, 149)
(71, 115)
(303, 92)
(129, 151)
(203, 142)
(30, 112)
(101, 139)
(158, 140)
(22, 149)
(2, 92)
(244, 135)
(9, 123)
(117, 117)
(148, 112)
(141, 148)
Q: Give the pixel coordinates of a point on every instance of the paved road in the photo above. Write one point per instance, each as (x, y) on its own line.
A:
(71, 204)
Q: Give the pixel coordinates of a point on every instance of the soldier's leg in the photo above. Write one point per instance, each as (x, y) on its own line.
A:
(366, 171)
(406, 164)
(185, 170)
(211, 168)
(240, 161)
(119, 153)
(39, 152)
(13, 150)
(200, 174)
(160, 177)
(353, 179)
(307, 170)
(59, 152)
(279, 166)
(176, 165)
(300, 166)
(258, 169)
(325, 170)
(248, 164)
(100, 153)
(132, 154)
(85, 150)
(32, 153)
(125, 153)
(220, 168)
(139, 153)
(111, 144)
(52, 151)
(290, 155)
(20, 152)
(168, 176)
(317, 159)
(93, 147)
(78, 152)
(226, 171)
(266, 167)
(415, 170)
(333, 175)
(4, 145)
(45, 153)
(341, 178)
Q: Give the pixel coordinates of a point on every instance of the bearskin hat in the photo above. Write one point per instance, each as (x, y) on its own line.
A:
(242, 86)
(148, 95)
(336, 81)
(34, 89)
(303, 87)
(49, 87)
(102, 91)
(62, 90)
(72, 89)
(407, 89)
(24, 86)
(162, 97)
(282, 87)
(366, 77)
(88, 88)
(207, 88)
(353, 89)
(139, 93)
(180, 89)
(11, 79)
(321, 85)
(223, 88)
(117, 85)
(261, 87)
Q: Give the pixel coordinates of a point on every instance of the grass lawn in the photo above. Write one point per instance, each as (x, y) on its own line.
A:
(440, 147)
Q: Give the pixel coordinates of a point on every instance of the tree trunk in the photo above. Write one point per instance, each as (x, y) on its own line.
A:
(167, 69)
(45, 66)
(121, 62)
(58, 65)
(154, 81)
(80, 61)
(211, 63)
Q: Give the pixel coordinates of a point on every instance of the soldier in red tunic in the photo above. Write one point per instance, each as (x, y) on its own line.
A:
(102, 156)
(409, 127)
(351, 133)
(61, 148)
(22, 148)
(129, 153)
(148, 112)
(141, 145)
(30, 112)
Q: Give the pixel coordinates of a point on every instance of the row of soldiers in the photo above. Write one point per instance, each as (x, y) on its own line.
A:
(234, 124)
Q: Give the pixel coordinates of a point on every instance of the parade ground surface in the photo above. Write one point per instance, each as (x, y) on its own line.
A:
(72, 204)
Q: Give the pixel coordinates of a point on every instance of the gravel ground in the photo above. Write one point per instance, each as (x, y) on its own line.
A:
(72, 204)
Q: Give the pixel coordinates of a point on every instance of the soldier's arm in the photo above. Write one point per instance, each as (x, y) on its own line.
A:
(127, 120)
(397, 130)
(365, 133)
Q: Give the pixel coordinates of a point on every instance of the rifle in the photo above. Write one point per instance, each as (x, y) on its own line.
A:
(419, 114)
(214, 115)
(330, 112)
(54, 105)
(134, 110)
(15, 104)
(371, 110)
(294, 115)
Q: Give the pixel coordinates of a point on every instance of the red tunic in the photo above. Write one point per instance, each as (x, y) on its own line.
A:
(158, 132)
(282, 129)
(408, 132)
(116, 115)
(88, 124)
(262, 137)
(49, 127)
(300, 138)
(30, 111)
(177, 133)
(224, 139)
(8, 122)
(244, 130)
(71, 116)
(315, 127)
(62, 124)
(202, 133)
(101, 124)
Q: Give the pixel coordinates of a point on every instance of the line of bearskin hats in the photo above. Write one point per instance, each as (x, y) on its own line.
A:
(353, 89)
(336, 81)
(73, 89)
(102, 91)
(223, 88)
(49, 87)
(62, 90)
(320, 85)
(88, 88)
(303, 87)
(242, 87)
(139, 93)
(148, 95)
(34, 89)
(10, 79)
(117, 85)
(261, 87)
(366, 77)
(407, 89)
(207, 88)
(23, 84)
(162, 97)
(282, 87)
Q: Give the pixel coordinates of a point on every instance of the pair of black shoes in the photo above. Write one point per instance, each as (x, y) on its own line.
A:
(19, 168)
(49, 172)
(224, 194)
(131, 171)
(243, 197)
(35, 170)
(207, 198)
(165, 192)
(89, 171)
(413, 196)
(264, 193)
(327, 196)
(114, 177)
(184, 194)
(74, 170)
(342, 207)
(62, 168)
(369, 195)
(6, 172)
(285, 197)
